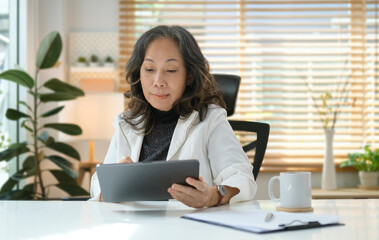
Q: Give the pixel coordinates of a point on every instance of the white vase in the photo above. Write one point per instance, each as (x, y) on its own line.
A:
(329, 181)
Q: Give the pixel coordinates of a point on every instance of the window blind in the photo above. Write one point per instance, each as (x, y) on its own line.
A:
(288, 54)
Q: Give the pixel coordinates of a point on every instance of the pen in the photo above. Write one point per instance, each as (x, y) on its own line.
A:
(269, 216)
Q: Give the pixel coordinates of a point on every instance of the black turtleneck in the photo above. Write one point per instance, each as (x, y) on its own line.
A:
(156, 144)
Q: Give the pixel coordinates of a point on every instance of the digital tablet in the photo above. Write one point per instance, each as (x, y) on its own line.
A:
(143, 181)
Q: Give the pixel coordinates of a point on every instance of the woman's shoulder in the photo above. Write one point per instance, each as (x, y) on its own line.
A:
(214, 109)
(120, 119)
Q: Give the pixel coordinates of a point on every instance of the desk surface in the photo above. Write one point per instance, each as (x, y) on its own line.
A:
(161, 220)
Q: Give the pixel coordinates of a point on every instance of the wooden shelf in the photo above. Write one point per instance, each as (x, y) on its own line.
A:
(345, 193)
(74, 69)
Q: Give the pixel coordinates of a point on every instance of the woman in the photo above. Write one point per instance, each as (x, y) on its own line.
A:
(176, 112)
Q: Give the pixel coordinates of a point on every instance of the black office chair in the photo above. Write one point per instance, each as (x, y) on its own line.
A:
(229, 85)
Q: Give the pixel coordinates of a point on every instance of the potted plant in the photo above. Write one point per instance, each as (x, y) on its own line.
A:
(367, 163)
(108, 62)
(31, 172)
(94, 61)
(82, 62)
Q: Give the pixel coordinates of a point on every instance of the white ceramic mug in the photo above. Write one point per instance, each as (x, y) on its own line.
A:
(295, 189)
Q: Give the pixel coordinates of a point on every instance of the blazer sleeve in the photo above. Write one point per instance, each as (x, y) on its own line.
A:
(230, 164)
(110, 157)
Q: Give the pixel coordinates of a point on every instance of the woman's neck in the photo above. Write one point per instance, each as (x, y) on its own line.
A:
(166, 116)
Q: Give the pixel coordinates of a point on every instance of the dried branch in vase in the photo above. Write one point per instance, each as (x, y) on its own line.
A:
(330, 103)
(331, 106)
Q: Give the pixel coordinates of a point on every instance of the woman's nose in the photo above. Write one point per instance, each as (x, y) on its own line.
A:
(159, 80)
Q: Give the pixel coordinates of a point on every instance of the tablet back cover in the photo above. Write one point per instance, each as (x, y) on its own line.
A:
(143, 181)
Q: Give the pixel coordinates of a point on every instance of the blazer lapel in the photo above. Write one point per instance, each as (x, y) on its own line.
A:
(134, 139)
(181, 132)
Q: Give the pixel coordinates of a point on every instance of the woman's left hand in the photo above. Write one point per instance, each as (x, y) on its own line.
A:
(201, 195)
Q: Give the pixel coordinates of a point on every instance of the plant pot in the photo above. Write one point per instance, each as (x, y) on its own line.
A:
(93, 64)
(109, 65)
(81, 64)
(368, 179)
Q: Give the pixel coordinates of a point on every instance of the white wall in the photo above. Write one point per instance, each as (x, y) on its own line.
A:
(92, 15)
(102, 15)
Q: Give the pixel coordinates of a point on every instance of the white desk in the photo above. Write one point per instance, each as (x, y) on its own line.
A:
(161, 220)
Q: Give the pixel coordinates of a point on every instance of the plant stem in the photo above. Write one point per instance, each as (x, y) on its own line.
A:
(342, 98)
(317, 108)
(35, 128)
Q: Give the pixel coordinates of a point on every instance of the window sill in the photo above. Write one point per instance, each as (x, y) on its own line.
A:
(309, 167)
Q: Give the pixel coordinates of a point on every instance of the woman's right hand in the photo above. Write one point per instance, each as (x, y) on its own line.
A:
(126, 159)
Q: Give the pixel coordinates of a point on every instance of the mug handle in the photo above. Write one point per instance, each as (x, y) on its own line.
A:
(270, 184)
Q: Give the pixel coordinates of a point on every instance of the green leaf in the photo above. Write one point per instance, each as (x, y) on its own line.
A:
(68, 128)
(64, 148)
(17, 195)
(64, 164)
(29, 187)
(28, 169)
(50, 140)
(29, 163)
(24, 194)
(49, 50)
(19, 77)
(13, 151)
(59, 86)
(23, 124)
(13, 114)
(72, 189)
(63, 177)
(8, 185)
(56, 97)
(52, 112)
(25, 104)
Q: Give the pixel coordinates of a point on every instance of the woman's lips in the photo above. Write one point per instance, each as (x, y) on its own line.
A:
(160, 96)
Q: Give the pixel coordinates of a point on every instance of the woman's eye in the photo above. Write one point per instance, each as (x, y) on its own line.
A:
(149, 69)
(171, 71)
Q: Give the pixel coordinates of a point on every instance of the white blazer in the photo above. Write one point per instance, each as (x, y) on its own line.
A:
(211, 141)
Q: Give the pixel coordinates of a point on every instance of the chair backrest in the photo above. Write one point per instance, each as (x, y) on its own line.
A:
(229, 85)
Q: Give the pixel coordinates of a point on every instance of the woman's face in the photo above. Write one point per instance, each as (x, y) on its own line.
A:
(163, 74)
